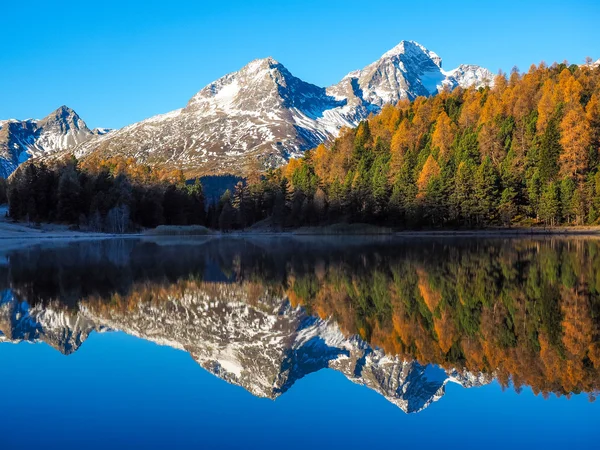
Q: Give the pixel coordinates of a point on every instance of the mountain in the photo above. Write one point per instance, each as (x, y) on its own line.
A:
(259, 342)
(21, 139)
(262, 115)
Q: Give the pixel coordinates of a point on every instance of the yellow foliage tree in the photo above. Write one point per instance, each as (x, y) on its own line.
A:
(547, 104)
(321, 162)
(575, 141)
(469, 115)
(430, 170)
(291, 167)
(444, 133)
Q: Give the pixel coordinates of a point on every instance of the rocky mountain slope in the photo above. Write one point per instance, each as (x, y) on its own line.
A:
(261, 343)
(262, 115)
(21, 139)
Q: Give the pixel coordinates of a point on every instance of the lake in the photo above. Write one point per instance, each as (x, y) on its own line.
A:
(300, 342)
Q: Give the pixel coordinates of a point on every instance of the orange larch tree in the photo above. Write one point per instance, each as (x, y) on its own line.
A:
(444, 134)
(575, 140)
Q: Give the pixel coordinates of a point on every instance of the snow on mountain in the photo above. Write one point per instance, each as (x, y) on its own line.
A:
(101, 131)
(262, 115)
(404, 72)
(262, 344)
(21, 139)
(467, 75)
(261, 112)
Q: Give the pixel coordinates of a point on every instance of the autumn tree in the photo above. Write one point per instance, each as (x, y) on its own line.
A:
(430, 170)
(575, 141)
(444, 133)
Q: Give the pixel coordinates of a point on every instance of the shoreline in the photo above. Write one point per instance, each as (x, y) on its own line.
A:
(22, 231)
(25, 232)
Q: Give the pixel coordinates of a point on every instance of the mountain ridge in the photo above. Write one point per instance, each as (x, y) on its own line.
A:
(59, 131)
(262, 115)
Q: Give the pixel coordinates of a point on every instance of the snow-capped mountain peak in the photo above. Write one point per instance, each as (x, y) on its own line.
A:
(412, 49)
(260, 115)
(406, 71)
(60, 130)
(467, 75)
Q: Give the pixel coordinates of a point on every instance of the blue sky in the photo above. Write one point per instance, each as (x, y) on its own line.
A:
(119, 62)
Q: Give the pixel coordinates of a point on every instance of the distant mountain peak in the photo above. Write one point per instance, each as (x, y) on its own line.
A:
(261, 63)
(60, 130)
(64, 110)
(413, 49)
(64, 114)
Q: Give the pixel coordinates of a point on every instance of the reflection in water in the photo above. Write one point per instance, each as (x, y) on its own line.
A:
(401, 317)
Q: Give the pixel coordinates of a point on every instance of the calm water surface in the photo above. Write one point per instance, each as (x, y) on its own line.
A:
(300, 342)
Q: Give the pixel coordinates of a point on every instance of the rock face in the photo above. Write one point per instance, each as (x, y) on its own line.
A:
(262, 115)
(21, 139)
(261, 342)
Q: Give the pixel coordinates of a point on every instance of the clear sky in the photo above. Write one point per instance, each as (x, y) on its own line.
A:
(117, 62)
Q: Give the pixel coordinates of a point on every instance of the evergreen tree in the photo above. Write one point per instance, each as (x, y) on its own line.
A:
(379, 184)
(507, 208)
(463, 202)
(197, 213)
(227, 215)
(486, 192)
(550, 206)
(549, 151)
(361, 141)
(69, 196)
(569, 203)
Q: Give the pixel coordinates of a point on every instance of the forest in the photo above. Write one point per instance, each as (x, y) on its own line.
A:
(522, 153)
(115, 195)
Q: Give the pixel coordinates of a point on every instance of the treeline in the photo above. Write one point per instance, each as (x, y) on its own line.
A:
(524, 151)
(114, 195)
(118, 195)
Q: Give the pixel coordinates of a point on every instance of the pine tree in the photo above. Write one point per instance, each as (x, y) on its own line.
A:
(463, 203)
(69, 196)
(227, 215)
(507, 208)
(568, 202)
(486, 192)
(241, 204)
(550, 149)
(197, 213)
(379, 184)
(550, 206)
(361, 141)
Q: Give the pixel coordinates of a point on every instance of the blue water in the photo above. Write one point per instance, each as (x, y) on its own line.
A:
(118, 391)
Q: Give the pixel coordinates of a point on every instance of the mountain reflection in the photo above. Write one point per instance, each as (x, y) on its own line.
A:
(403, 317)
